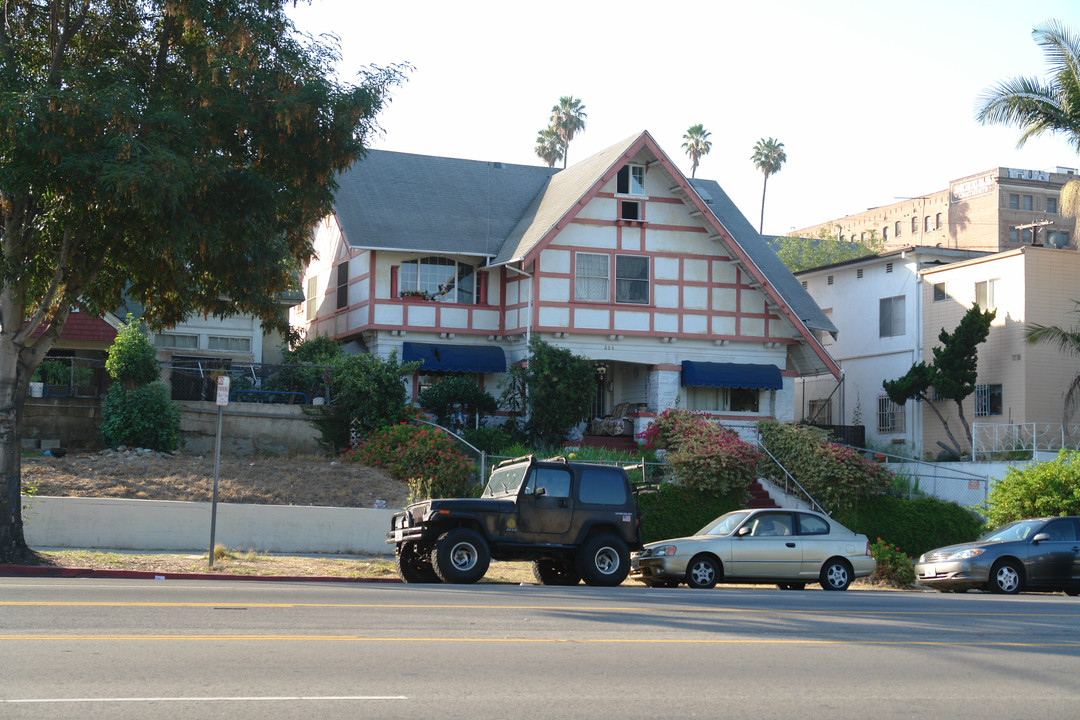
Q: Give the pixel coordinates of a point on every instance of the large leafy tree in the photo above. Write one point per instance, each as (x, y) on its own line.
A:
(1037, 106)
(176, 151)
(568, 119)
(697, 145)
(768, 157)
(799, 253)
(952, 374)
(1067, 340)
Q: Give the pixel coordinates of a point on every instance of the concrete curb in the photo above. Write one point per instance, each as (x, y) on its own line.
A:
(66, 572)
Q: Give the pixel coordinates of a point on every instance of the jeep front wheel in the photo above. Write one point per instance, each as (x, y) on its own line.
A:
(413, 565)
(461, 556)
(603, 560)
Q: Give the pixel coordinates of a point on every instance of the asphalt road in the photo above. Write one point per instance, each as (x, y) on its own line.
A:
(88, 648)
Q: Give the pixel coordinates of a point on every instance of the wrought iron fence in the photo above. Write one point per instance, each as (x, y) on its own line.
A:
(1020, 441)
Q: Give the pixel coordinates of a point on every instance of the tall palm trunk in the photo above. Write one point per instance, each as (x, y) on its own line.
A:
(761, 222)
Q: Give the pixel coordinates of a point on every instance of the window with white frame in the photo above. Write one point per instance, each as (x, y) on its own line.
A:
(438, 278)
(312, 300)
(937, 221)
(891, 316)
(721, 399)
(988, 400)
(174, 340)
(229, 344)
(926, 224)
(630, 180)
(632, 279)
(890, 416)
(592, 277)
(984, 294)
(939, 292)
(896, 227)
(914, 225)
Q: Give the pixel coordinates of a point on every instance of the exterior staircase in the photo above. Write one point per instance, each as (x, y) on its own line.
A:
(759, 497)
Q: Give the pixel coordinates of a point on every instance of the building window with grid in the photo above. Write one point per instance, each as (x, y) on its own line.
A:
(343, 285)
(926, 224)
(630, 180)
(1051, 206)
(1029, 202)
(312, 300)
(171, 340)
(632, 279)
(1014, 201)
(988, 400)
(819, 412)
(592, 277)
(891, 316)
(439, 279)
(722, 399)
(229, 344)
(890, 416)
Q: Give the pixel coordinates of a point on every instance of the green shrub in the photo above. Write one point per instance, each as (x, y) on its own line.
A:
(144, 417)
(491, 440)
(132, 357)
(894, 567)
(678, 511)
(459, 390)
(558, 387)
(914, 525)
(1036, 490)
(836, 477)
(421, 456)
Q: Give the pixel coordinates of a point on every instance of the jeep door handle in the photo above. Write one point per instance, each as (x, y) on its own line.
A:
(790, 544)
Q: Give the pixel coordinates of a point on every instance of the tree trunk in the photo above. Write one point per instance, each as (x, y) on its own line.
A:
(12, 543)
(967, 428)
(944, 424)
(761, 222)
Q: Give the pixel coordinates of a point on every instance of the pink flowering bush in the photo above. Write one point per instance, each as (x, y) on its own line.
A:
(421, 456)
(833, 475)
(704, 456)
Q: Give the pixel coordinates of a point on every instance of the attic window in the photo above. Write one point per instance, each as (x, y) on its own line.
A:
(629, 210)
(630, 180)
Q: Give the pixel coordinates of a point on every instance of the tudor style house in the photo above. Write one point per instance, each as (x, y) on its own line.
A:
(656, 278)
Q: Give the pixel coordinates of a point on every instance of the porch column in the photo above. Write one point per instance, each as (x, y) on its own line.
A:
(664, 386)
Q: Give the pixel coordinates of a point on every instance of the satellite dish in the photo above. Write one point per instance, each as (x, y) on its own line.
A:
(1057, 240)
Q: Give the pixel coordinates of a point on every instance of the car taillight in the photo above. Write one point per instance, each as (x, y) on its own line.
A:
(868, 548)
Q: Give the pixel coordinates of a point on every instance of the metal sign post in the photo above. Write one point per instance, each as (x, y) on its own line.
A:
(222, 401)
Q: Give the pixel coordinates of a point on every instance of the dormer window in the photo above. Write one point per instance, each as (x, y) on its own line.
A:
(630, 180)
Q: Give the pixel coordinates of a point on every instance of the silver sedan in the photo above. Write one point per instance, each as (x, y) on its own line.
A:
(788, 547)
(1038, 554)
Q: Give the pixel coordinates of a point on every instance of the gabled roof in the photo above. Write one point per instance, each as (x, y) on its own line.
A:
(393, 200)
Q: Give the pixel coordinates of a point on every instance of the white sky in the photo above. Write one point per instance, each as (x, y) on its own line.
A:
(873, 100)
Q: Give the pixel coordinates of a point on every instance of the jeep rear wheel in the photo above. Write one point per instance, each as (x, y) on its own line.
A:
(461, 556)
(603, 560)
(555, 572)
(413, 565)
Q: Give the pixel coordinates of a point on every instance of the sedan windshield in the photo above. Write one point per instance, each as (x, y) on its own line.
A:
(725, 524)
(1021, 530)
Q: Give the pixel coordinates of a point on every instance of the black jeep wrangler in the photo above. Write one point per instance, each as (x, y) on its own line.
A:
(574, 521)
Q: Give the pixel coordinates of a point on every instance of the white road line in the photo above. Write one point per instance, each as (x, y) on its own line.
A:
(268, 698)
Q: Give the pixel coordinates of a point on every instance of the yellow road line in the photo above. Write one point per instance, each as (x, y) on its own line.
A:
(561, 608)
(586, 641)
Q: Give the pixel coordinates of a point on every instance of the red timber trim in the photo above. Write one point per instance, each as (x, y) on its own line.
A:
(669, 368)
(645, 140)
(394, 270)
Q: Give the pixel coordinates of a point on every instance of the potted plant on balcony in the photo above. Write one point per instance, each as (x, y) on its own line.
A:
(418, 294)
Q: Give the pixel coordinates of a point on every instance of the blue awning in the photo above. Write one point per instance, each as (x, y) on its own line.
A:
(454, 358)
(733, 375)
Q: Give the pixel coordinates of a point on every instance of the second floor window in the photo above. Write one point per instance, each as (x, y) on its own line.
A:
(891, 316)
(984, 294)
(1051, 206)
(632, 279)
(440, 279)
(343, 285)
(630, 180)
(591, 277)
(890, 416)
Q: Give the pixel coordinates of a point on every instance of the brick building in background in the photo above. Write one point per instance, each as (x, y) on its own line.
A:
(999, 209)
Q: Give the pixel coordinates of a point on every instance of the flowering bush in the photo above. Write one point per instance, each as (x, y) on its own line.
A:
(893, 566)
(422, 457)
(833, 475)
(703, 455)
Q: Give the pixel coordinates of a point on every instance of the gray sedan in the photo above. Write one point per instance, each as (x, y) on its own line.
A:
(788, 547)
(1039, 554)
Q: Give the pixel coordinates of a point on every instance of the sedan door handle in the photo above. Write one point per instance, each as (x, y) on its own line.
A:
(790, 544)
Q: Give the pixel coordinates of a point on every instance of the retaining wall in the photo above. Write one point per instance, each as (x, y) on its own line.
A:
(169, 525)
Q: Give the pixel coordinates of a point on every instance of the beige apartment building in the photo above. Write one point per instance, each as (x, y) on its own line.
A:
(1019, 385)
(999, 209)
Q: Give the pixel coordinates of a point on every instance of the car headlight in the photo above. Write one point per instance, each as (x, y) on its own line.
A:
(965, 554)
(662, 550)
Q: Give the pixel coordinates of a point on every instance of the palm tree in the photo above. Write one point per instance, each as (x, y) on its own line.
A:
(1038, 106)
(567, 119)
(1067, 340)
(549, 146)
(697, 145)
(769, 157)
